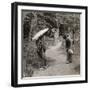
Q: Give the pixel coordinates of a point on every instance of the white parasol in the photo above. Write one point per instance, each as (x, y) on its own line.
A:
(40, 33)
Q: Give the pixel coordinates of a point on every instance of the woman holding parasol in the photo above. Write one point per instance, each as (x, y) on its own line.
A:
(39, 38)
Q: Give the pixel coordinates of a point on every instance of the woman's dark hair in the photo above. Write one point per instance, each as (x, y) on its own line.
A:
(64, 36)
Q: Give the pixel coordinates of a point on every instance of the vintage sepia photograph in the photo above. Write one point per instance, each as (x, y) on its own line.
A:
(49, 44)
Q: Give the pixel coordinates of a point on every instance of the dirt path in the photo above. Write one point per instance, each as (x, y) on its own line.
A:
(56, 63)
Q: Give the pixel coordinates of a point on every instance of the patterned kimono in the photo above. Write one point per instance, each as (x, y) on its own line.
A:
(41, 50)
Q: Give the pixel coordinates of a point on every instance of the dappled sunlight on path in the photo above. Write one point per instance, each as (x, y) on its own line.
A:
(57, 66)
